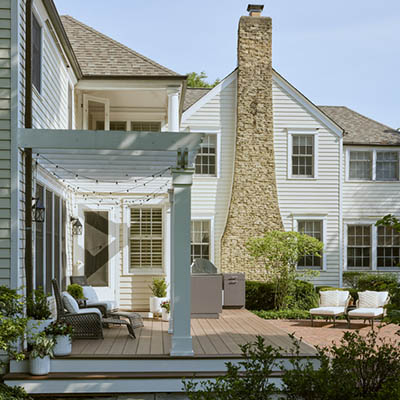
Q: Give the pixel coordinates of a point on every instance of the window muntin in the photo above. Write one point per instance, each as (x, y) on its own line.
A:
(360, 165)
(49, 240)
(200, 239)
(146, 126)
(387, 166)
(146, 238)
(206, 159)
(36, 53)
(313, 228)
(388, 247)
(359, 247)
(303, 155)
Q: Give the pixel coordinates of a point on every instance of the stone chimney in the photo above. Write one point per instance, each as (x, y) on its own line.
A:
(254, 208)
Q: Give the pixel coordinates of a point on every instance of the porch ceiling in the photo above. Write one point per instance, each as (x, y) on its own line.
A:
(106, 156)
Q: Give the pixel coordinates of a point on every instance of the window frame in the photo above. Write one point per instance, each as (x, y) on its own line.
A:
(374, 152)
(209, 218)
(311, 217)
(36, 16)
(305, 132)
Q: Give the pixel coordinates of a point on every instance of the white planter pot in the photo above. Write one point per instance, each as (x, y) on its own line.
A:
(165, 315)
(63, 346)
(36, 326)
(155, 304)
(39, 366)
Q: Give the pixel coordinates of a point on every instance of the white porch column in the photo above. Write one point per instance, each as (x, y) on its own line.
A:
(173, 109)
(171, 263)
(181, 344)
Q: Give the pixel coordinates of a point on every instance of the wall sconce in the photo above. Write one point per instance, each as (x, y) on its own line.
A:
(38, 210)
(76, 226)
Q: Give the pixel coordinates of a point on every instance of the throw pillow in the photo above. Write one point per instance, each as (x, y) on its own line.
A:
(329, 298)
(368, 299)
(70, 303)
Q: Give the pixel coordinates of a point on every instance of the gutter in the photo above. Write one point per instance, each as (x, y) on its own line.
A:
(28, 152)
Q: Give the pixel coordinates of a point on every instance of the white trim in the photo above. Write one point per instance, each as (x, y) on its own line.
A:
(307, 132)
(313, 217)
(207, 217)
(340, 222)
(217, 134)
(101, 100)
(207, 97)
(307, 104)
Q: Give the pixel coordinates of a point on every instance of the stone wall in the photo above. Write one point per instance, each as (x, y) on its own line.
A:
(254, 206)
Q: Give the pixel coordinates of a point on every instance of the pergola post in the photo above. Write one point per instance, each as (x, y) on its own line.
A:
(181, 344)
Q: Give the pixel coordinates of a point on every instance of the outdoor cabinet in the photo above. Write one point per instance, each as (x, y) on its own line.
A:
(206, 295)
(234, 290)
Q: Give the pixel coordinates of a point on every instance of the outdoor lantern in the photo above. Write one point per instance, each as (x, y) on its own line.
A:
(37, 210)
(76, 226)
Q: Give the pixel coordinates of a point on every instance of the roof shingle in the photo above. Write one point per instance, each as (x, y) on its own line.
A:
(99, 55)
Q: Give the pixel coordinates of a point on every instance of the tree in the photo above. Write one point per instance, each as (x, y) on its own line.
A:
(196, 80)
(280, 252)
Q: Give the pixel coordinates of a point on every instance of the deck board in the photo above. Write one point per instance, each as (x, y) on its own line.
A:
(211, 337)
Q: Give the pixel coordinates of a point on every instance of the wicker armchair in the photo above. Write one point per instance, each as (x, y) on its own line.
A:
(87, 325)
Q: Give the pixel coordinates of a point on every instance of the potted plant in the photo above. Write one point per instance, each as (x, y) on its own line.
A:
(62, 333)
(39, 356)
(165, 308)
(159, 290)
(38, 312)
(76, 291)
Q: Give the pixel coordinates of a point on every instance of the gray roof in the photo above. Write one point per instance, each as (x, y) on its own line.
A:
(193, 95)
(360, 129)
(99, 55)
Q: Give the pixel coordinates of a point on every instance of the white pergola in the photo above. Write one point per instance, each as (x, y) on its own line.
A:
(111, 154)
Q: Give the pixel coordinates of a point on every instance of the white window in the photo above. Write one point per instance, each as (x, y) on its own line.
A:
(359, 245)
(303, 154)
(360, 165)
(36, 53)
(313, 228)
(206, 159)
(388, 247)
(146, 126)
(387, 166)
(200, 239)
(146, 238)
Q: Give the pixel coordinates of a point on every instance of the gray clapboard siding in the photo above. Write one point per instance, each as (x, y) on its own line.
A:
(5, 143)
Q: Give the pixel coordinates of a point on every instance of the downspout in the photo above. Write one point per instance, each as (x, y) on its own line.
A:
(28, 152)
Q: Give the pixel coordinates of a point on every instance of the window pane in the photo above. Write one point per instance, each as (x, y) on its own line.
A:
(200, 239)
(388, 248)
(36, 53)
(311, 228)
(358, 246)
(57, 247)
(39, 244)
(387, 166)
(303, 155)
(147, 126)
(206, 159)
(49, 240)
(117, 125)
(360, 164)
(64, 246)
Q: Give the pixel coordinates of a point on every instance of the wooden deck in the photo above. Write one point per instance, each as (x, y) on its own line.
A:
(214, 338)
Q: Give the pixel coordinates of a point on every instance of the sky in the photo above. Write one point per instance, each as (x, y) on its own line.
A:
(342, 52)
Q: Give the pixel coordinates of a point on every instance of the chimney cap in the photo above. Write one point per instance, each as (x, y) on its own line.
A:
(255, 9)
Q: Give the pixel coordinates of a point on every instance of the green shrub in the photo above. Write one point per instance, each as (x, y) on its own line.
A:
(358, 368)
(304, 297)
(351, 278)
(76, 291)
(259, 295)
(283, 314)
(378, 282)
(13, 393)
(159, 287)
(37, 306)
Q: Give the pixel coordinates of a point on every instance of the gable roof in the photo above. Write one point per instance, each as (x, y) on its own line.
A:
(99, 56)
(193, 95)
(360, 129)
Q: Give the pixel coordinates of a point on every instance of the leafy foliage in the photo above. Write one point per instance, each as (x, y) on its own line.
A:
(166, 305)
(248, 380)
(159, 287)
(358, 368)
(196, 80)
(259, 295)
(350, 278)
(280, 252)
(13, 393)
(42, 346)
(292, 313)
(59, 328)
(76, 291)
(37, 306)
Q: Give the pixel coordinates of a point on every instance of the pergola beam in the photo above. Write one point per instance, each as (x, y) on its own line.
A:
(108, 140)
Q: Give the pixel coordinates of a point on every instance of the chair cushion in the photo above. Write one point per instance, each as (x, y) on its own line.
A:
(70, 303)
(110, 304)
(343, 296)
(90, 294)
(382, 298)
(327, 311)
(366, 312)
(368, 299)
(329, 298)
(90, 310)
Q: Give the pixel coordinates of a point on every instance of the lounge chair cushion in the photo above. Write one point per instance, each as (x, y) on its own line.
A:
(329, 298)
(93, 298)
(369, 299)
(90, 310)
(327, 311)
(366, 312)
(70, 303)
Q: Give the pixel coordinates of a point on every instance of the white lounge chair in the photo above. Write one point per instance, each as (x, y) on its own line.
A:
(332, 303)
(370, 305)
